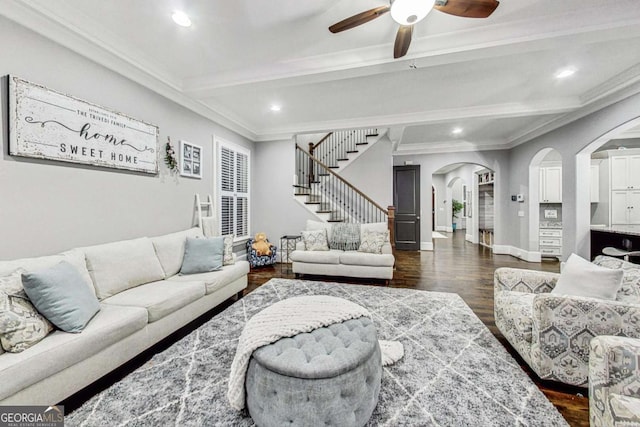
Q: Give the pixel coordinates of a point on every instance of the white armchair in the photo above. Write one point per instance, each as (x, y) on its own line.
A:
(552, 332)
(614, 382)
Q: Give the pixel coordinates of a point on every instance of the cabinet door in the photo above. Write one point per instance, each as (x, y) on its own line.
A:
(633, 199)
(633, 172)
(541, 187)
(619, 207)
(595, 183)
(619, 173)
(553, 184)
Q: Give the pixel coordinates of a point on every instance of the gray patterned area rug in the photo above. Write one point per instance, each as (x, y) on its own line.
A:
(454, 371)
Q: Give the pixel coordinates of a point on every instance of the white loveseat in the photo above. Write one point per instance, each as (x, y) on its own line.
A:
(344, 263)
(142, 300)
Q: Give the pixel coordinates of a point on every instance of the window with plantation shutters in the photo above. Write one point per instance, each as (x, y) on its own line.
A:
(233, 167)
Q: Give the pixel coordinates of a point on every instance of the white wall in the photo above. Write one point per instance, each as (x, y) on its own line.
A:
(48, 206)
(569, 141)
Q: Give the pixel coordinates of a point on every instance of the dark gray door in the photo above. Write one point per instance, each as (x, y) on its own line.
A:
(406, 199)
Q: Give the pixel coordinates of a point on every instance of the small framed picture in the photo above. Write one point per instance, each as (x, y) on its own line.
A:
(190, 163)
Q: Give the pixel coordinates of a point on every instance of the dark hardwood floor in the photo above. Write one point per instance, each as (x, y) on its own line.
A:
(466, 269)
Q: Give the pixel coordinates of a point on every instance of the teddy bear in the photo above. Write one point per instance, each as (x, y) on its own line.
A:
(260, 245)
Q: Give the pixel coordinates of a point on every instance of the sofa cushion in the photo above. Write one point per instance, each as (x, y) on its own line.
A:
(60, 350)
(21, 326)
(373, 241)
(317, 257)
(202, 255)
(74, 257)
(170, 249)
(216, 279)
(228, 257)
(380, 227)
(315, 240)
(363, 258)
(159, 298)
(115, 267)
(319, 225)
(60, 294)
(582, 278)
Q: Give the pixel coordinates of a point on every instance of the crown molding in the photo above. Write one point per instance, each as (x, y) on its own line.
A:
(51, 27)
(449, 147)
(584, 110)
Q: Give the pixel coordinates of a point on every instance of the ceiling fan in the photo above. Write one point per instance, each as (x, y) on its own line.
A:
(409, 12)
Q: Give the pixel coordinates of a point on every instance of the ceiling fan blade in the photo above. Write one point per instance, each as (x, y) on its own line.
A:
(467, 8)
(359, 19)
(403, 40)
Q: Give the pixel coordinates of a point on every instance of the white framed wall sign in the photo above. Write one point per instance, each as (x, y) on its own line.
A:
(46, 124)
(190, 160)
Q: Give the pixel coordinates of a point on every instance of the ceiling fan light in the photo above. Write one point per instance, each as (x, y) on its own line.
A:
(409, 12)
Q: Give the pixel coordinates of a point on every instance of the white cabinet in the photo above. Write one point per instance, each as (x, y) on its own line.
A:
(625, 207)
(595, 183)
(551, 184)
(625, 172)
(550, 242)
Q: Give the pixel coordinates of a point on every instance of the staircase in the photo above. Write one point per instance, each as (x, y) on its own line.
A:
(325, 193)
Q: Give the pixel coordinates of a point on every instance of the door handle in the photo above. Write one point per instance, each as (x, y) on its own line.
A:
(417, 217)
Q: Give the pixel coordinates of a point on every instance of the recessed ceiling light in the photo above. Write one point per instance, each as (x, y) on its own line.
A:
(181, 18)
(565, 72)
(275, 107)
(456, 131)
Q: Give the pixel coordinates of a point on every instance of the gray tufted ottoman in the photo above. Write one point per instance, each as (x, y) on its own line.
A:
(328, 377)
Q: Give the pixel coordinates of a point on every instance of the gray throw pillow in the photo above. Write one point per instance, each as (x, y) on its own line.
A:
(202, 255)
(61, 294)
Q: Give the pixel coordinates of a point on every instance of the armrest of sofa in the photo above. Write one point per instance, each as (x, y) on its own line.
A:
(612, 367)
(522, 280)
(386, 249)
(570, 314)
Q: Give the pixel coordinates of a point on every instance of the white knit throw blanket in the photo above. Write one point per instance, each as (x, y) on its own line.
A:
(288, 318)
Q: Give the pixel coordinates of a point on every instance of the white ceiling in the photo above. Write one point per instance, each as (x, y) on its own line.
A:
(493, 77)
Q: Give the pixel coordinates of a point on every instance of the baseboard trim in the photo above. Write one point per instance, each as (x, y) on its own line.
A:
(468, 238)
(442, 228)
(529, 256)
(426, 246)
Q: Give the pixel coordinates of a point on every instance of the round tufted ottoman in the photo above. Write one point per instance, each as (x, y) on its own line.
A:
(328, 377)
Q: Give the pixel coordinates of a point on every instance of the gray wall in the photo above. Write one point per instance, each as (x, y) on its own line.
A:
(276, 212)
(496, 160)
(47, 206)
(569, 140)
(372, 172)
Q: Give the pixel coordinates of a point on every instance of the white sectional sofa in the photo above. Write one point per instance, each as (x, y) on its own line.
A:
(142, 299)
(344, 263)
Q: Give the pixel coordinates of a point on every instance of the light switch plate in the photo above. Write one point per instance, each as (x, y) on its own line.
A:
(520, 213)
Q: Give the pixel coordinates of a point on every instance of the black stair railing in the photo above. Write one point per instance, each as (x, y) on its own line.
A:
(336, 146)
(333, 194)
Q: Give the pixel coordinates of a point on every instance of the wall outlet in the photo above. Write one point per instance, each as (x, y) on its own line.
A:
(521, 213)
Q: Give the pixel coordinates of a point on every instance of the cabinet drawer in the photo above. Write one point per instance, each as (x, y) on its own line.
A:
(550, 233)
(550, 251)
(550, 242)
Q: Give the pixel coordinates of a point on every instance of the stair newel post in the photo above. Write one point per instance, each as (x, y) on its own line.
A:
(391, 219)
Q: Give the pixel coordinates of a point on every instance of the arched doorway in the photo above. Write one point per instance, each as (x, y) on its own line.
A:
(545, 204)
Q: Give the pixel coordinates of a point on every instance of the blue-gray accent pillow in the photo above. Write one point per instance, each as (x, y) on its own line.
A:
(62, 296)
(202, 255)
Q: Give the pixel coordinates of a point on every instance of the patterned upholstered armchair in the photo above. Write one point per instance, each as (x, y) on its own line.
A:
(552, 332)
(614, 382)
(256, 260)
